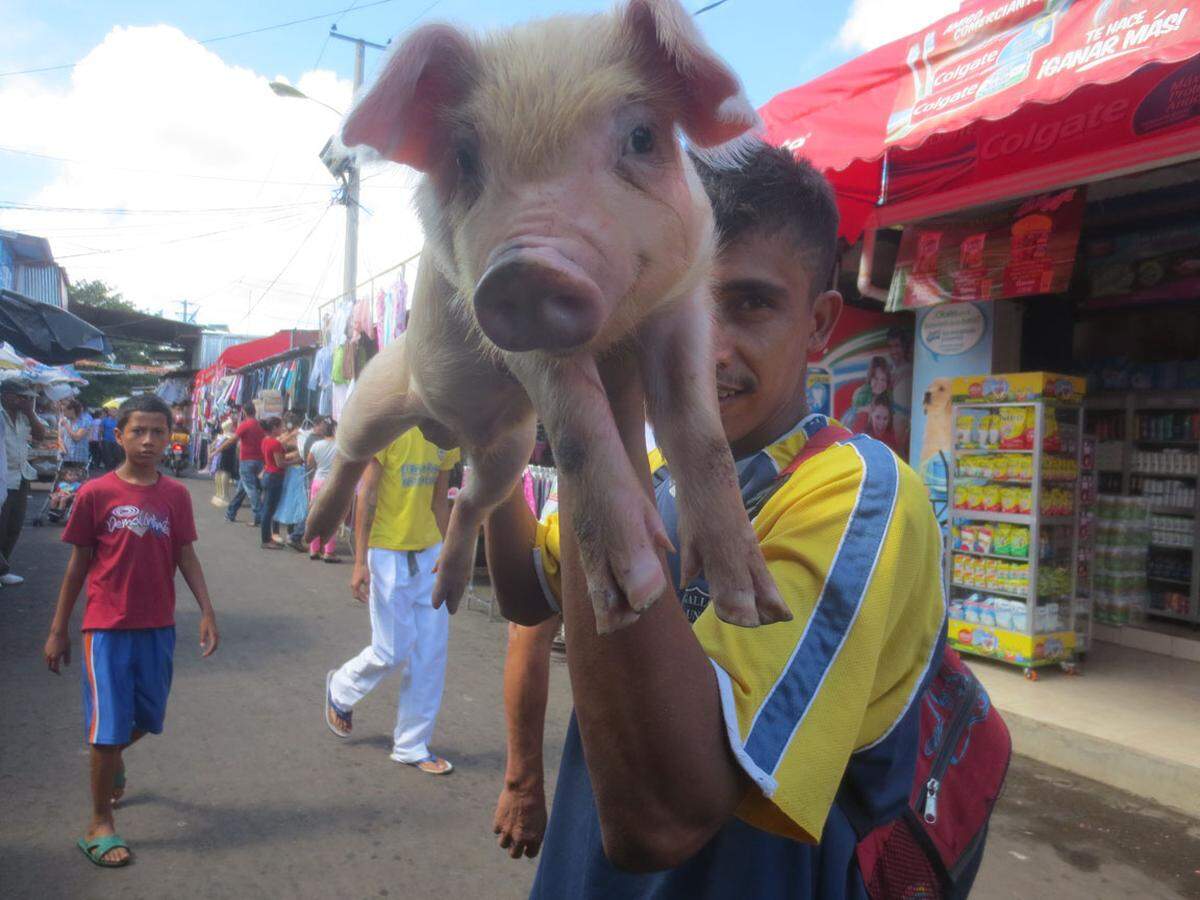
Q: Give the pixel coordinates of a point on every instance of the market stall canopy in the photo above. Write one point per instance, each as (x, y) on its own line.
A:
(1001, 99)
(47, 333)
(250, 353)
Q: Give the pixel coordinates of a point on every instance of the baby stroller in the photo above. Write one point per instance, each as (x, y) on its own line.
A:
(67, 481)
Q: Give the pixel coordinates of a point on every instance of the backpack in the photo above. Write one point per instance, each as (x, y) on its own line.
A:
(933, 849)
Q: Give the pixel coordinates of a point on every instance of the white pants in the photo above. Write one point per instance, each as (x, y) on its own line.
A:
(407, 633)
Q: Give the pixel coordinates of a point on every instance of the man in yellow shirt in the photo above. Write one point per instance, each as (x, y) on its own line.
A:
(704, 759)
(398, 529)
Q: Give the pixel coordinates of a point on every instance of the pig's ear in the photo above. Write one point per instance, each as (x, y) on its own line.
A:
(402, 116)
(713, 108)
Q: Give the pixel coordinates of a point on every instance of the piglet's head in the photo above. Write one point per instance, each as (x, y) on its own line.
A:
(556, 195)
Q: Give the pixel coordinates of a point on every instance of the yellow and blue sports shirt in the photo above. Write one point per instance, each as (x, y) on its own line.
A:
(820, 711)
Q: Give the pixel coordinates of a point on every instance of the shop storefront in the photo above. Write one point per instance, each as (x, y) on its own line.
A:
(1024, 179)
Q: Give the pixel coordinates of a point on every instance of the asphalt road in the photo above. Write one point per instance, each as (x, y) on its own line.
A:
(247, 794)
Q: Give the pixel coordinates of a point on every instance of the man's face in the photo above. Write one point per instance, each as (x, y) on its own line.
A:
(766, 325)
(144, 437)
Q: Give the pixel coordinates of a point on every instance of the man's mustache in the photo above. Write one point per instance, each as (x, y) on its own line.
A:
(735, 383)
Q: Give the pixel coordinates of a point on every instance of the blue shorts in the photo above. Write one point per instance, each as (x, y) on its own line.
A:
(126, 680)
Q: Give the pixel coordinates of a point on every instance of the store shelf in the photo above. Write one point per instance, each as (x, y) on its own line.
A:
(1011, 518)
(1000, 556)
(1156, 546)
(1167, 614)
(977, 451)
(1186, 582)
(1166, 441)
(988, 590)
(1173, 510)
(1168, 475)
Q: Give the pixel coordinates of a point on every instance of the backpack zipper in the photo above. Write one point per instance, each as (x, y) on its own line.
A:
(942, 761)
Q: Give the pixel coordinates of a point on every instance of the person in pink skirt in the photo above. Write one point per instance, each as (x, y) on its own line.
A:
(321, 453)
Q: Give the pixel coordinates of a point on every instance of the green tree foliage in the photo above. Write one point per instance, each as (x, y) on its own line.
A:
(125, 353)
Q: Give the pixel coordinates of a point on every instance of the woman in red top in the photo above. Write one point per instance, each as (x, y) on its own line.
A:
(274, 463)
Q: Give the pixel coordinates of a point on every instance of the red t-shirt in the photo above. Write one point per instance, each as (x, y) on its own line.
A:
(136, 533)
(250, 437)
(270, 447)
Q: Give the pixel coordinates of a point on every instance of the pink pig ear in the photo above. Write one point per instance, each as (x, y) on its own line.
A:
(714, 109)
(402, 115)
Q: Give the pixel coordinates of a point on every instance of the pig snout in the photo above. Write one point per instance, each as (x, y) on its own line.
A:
(537, 299)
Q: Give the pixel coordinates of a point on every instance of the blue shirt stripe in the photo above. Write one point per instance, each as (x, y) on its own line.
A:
(836, 609)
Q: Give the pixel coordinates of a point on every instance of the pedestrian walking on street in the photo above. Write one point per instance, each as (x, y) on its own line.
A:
(95, 456)
(225, 472)
(398, 529)
(74, 428)
(274, 463)
(110, 450)
(319, 461)
(130, 530)
(22, 426)
(249, 436)
(293, 502)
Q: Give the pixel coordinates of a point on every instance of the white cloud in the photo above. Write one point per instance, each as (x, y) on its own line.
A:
(873, 23)
(153, 99)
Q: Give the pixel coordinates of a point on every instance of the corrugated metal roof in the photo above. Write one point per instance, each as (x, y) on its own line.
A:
(213, 343)
(45, 282)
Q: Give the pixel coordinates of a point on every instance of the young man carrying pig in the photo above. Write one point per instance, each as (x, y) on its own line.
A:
(704, 759)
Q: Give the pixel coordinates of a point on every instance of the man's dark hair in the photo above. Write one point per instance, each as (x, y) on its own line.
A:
(248, 409)
(270, 423)
(143, 403)
(770, 191)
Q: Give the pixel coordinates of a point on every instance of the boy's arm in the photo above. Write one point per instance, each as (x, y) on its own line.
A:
(193, 574)
(508, 536)
(520, 818)
(58, 644)
(364, 518)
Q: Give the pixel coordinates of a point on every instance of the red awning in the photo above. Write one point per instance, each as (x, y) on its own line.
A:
(240, 355)
(1004, 97)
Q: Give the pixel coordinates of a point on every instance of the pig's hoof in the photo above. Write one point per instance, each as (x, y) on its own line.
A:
(743, 591)
(453, 577)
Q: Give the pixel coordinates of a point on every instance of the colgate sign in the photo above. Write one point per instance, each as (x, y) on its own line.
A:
(1037, 137)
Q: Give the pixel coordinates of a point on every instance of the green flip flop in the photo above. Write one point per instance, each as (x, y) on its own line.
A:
(97, 847)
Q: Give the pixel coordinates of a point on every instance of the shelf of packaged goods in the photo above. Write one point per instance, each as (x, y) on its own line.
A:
(988, 590)
(1001, 556)
(1000, 451)
(1168, 614)
(1015, 403)
(1015, 482)
(1168, 475)
(1185, 582)
(1173, 510)
(1172, 442)
(1010, 518)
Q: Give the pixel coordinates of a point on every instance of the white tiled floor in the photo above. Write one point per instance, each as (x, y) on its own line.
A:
(1146, 701)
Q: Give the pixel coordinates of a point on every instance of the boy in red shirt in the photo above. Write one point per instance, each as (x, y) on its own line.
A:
(130, 529)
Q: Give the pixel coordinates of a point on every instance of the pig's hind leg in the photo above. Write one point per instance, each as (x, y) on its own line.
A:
(715, 534)
(494, 471)
(380, 410)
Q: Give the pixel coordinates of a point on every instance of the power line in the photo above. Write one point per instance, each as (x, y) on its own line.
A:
(121, 211)
(714, 5)
(286, 265)
(224, 37)
(88, 162)
(185, 238)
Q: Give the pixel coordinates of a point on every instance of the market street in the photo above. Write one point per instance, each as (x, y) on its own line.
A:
(247, 794)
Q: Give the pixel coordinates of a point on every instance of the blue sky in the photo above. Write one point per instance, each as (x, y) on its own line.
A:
(154, 120)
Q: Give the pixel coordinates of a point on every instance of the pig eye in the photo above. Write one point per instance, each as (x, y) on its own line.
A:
(468, 165)
(641, 140)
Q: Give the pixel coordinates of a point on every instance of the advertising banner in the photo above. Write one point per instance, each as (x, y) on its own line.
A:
(1021, 250)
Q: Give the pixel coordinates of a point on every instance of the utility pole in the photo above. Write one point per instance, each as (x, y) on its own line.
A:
(350, 196)
(185, 317)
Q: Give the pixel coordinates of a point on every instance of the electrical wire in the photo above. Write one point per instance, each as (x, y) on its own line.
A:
(180, 240)
(224, 37)
(120, 211)
(287, 265)
(714, 5)
(88, 162)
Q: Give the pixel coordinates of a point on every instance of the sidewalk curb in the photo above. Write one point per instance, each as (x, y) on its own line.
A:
(1165, 781)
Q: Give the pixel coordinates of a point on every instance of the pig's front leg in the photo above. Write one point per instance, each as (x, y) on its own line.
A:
(715, 535)
(619, 530)
(494, 471)
(380, 409)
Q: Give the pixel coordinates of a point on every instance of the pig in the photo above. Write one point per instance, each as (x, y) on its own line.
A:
(566, 233)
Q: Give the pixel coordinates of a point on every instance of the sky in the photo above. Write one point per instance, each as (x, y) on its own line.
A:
(167, 168)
